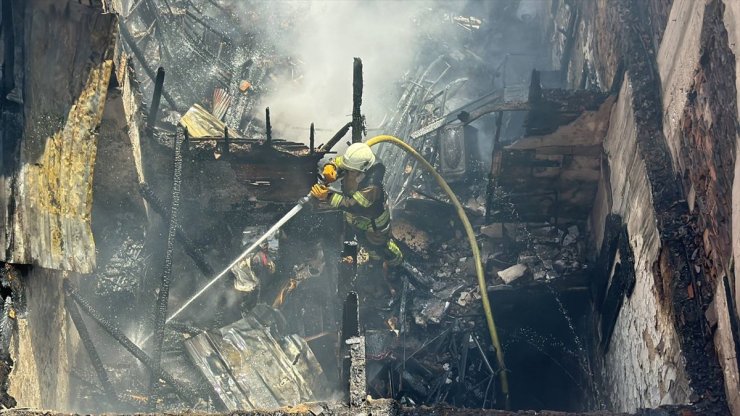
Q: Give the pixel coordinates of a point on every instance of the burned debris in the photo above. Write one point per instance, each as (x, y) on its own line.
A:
(12, 297)
(490, 223)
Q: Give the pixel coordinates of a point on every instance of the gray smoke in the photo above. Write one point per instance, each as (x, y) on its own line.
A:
(322, 38)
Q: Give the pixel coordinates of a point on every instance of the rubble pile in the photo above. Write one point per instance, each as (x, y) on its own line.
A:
(510, 250)
(546, 252)
(125, 270)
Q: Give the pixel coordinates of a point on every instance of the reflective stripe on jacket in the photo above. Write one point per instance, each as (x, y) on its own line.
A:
(364, 202)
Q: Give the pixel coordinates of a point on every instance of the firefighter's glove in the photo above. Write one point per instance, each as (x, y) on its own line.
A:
(330, 173)
(320, 192)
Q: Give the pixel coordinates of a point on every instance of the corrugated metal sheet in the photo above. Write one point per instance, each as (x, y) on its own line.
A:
(251, 367)
(201, 124)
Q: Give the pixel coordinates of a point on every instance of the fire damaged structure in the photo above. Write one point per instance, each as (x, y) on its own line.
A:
(560, 178)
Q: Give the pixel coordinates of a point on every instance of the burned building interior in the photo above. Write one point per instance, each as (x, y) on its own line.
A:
(559, 179)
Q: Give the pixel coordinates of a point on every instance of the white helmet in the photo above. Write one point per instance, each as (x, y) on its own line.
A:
(358, 157)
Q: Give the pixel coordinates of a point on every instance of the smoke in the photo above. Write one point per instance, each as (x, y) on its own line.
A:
(322, 38)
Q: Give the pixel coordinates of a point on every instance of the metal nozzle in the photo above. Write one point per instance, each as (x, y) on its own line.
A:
(304, 200)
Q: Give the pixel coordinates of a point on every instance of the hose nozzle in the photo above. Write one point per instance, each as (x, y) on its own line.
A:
(305, 199)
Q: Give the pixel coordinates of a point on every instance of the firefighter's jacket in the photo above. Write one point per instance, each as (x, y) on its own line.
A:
(364, 200)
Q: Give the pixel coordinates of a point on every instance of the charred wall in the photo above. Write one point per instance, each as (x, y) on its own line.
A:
(701, 133)
(69, 178)
(40, 377)
(643, 336)
(668, 174)
(732, 24)
(47, 198)
(47, 210)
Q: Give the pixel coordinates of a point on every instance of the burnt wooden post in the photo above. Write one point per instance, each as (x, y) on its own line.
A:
(268, 127)
(227, 141)
(131, 42)
(350, 332)
(495, 166)
(347, 268)
(357, 101)
(311, 139)
(92, 353)
(160, 314)
(154, 108)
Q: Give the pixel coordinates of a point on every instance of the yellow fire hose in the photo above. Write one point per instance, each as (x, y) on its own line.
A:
(473, 245)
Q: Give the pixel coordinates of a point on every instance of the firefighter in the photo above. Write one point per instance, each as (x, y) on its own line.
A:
(363, 201)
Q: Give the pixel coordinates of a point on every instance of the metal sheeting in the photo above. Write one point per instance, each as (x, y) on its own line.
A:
(251, 368)
(201, 124)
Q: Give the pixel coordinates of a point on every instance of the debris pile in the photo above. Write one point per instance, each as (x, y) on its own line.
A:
(125, 271)
(541, 251)
(11, 300)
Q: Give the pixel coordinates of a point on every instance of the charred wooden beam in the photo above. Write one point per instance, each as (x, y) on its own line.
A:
(268, 127)
(139, 54)
(160, 314)
(186, 394)
(154, 108)
(336, 138)
(311, 139)
(357, 124)
(92, 353)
